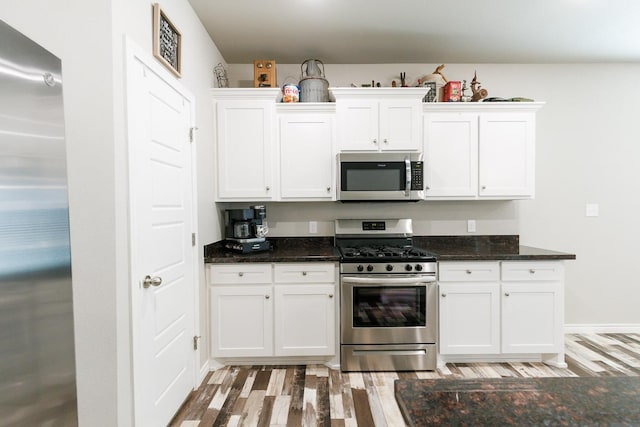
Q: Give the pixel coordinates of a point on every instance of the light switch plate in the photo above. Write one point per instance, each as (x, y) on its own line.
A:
(471, 226)
(313, 227)
(592, 209)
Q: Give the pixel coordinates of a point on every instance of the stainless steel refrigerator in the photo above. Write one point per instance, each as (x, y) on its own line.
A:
(37, 365)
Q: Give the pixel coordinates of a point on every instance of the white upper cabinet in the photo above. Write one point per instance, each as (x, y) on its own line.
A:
(451, 155)
(245, 141)
(379, 119)
(507, 155)
(307, 152)
(476, 151)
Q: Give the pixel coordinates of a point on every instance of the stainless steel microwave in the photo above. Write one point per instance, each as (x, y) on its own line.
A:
(393, 176)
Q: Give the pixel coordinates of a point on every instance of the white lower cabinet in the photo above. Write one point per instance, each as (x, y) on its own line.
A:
(241, 320)
(532, 307)
(470, 318)
(469, 308)
(502, 308)
(305, 320)
(292, 314)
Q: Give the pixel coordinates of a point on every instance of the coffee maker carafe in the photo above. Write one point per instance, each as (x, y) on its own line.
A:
(245, 229)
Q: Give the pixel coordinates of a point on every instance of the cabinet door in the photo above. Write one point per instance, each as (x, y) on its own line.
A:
(451, 155)
(400, 125)
(305, 320)
(244, 143)
(532, 317)
(241, 321)
(307, 157)
(357, 125)
(469, 318)
(506, 155)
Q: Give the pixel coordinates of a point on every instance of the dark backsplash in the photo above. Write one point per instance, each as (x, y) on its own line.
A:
(502, 244)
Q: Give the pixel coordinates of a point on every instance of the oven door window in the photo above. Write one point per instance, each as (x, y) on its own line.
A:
(373, 176)
(389, 306)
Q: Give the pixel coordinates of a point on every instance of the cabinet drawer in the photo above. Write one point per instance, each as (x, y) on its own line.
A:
(469, 271)
(305, 273)
(239, 273)
(532, 270)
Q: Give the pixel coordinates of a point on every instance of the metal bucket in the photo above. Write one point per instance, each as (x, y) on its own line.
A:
(313, 87)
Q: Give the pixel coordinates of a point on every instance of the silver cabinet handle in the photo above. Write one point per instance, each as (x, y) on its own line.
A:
(241, 274)
(328, 189)
(506, 294)
(385, 141)
(330, 295)
(532, 271)
(151, 281)
(469, 272)
(375, 141)
(484, 187)
(444, 295)
(304, 273)
(268, 188)
(266, 297)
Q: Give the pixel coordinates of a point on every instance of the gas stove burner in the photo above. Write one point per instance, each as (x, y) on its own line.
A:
(380, 241)
(375, 252)
(381, 253)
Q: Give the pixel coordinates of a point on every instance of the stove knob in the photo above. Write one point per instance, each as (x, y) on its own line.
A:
(408, 267)
(418, 267)
(369, 267)
(360, 268)
(389, 267)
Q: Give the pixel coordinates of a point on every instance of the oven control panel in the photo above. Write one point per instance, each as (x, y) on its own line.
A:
(388, 268)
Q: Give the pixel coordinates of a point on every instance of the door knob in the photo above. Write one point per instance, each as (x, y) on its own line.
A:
(151, 281)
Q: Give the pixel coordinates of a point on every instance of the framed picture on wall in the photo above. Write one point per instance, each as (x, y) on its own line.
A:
(167, 41)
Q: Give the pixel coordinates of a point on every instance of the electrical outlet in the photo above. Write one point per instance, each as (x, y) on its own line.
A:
(471, 226)
(313, 227)
(592, 209)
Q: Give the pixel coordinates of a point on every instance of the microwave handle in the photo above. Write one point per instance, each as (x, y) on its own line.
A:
(407, 166)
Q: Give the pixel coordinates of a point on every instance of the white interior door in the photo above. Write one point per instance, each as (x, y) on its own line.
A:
(159, 114)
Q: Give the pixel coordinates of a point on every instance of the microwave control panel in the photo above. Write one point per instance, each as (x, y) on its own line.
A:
(417, 176)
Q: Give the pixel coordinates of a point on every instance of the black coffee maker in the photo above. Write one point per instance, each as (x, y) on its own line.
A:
(245, 229)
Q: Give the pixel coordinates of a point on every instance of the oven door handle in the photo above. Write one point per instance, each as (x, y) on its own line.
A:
(388, 280)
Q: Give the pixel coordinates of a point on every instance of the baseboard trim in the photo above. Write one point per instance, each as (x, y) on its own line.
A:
(619, 328)
(204, 370)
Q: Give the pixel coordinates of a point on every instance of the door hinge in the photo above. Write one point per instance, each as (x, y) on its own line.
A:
(193, 239)
(191, 133)
(196, 338)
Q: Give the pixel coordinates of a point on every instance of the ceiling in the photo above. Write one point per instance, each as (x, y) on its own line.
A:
(423, 31)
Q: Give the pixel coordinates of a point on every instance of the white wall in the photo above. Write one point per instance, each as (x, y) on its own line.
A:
(89, 38)
(588, 151)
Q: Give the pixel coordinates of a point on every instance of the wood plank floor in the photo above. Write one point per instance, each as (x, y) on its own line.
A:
(314, 395)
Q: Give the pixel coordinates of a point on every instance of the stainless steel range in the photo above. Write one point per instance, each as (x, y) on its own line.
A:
(388, 297)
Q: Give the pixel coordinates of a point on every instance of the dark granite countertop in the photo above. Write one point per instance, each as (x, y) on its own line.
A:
(446, 248)
(485, 248)
(570, 401)
(284, 249)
